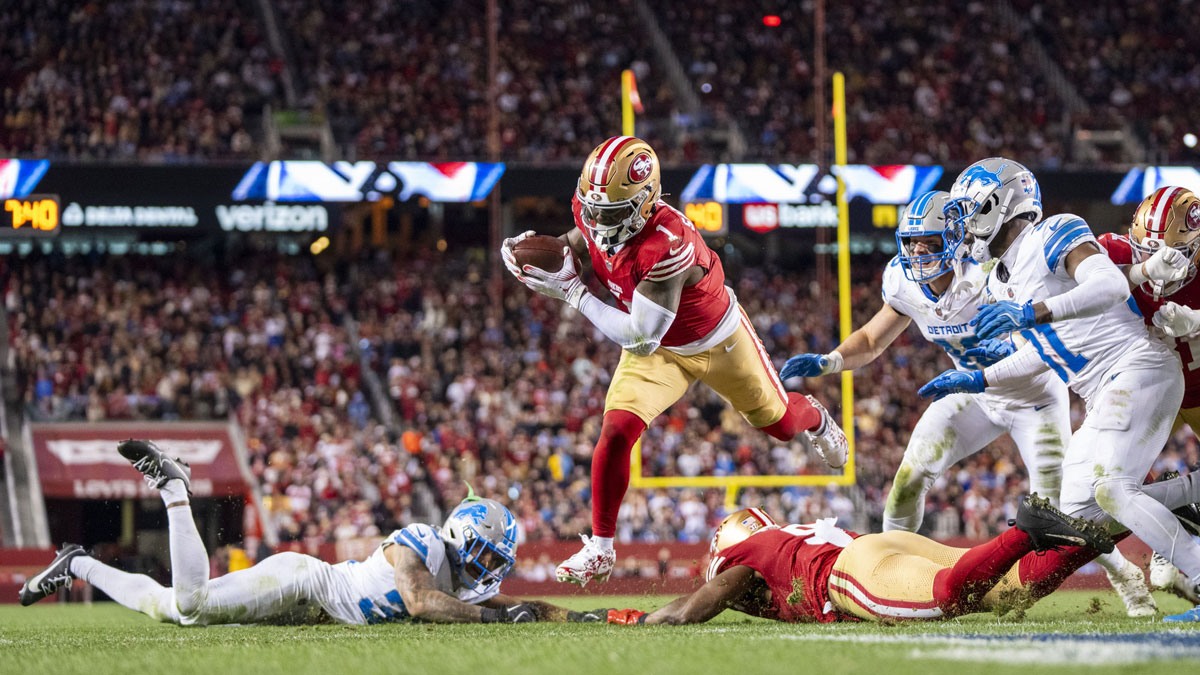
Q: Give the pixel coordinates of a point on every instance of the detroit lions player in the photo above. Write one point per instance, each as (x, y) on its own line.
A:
(929, 283)
(1057, 289)
(447, 575)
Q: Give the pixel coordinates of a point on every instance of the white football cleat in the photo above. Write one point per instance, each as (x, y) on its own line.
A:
(592, 562)
(1130, 585)
(829, 439)
(1162, 573)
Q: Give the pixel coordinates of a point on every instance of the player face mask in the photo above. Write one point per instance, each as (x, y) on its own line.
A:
(482, 537)
(929, 237)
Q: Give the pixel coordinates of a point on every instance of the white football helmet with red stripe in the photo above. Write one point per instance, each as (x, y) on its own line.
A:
(618, 188)
(737, 527)
(1168, 217)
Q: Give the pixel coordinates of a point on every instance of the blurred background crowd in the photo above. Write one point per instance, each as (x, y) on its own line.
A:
(931, 82)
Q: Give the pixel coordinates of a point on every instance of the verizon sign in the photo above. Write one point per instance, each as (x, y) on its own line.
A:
(81, 460)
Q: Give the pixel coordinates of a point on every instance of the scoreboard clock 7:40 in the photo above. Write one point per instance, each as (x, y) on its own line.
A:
(30, 216)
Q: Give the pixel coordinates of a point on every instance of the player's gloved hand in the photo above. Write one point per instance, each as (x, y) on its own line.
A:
(1002, 317)
(990, 351)
(506, 252)
(626, 617)
(590, 616)
(1167, 265)
(953, 382)
(564, 284)
(811, 365)
(1176, 320)
(522, 613)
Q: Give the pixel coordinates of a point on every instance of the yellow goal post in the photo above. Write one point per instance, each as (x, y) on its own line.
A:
(732, 484)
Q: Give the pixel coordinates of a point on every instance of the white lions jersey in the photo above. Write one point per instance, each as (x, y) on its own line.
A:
(371, 596)
(1080, 351)
(945, 321)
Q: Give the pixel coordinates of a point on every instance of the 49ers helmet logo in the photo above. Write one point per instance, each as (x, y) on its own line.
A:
(1192, 222)
(639, 168)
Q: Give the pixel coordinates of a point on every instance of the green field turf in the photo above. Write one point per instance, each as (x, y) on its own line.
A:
(105, 638)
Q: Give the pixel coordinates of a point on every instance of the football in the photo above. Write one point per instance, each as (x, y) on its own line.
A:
(541, 251)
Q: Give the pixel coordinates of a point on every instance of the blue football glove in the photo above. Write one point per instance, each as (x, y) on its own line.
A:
(1002, 317)
(953, 382)
(990, 351)
(804, 365)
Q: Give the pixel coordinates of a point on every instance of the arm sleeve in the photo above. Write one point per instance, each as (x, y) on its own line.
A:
(640, 331)
(1101, 285)
(1025, 362)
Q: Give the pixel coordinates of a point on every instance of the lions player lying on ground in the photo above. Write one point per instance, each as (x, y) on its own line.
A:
(447, 575)
(821, 573)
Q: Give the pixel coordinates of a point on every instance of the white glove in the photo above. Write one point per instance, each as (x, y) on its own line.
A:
(1167, 265)
(564, 284)
(506, 252)
(1176, 320)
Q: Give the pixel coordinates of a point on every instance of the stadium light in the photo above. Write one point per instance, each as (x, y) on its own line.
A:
(771, 20)
(1189, 140)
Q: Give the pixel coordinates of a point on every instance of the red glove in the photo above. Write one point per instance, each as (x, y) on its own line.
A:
(626, 617)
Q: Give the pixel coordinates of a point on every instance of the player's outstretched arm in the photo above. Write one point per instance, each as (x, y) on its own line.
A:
(861, 348)
(543, 610)
(650, 314)
(708, 601)
(424, 601)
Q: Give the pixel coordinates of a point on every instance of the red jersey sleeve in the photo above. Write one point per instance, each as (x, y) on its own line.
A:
(1117, 247)
(795, 565)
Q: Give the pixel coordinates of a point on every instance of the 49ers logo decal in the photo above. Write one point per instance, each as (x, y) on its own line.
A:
(639, 168)
(1192, 222)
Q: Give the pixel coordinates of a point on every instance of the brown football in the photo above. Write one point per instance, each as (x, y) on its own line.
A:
(541, 251)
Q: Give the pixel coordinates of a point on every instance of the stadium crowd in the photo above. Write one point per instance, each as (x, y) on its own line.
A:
(504, 395)
(172, 81)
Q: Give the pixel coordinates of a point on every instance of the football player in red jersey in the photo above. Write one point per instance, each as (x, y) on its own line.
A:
(676, 320)
(1159, 255)
(821, 573)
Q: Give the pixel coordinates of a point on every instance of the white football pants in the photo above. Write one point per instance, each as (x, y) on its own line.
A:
(960, 425)
(1128, 421)
(283, 588)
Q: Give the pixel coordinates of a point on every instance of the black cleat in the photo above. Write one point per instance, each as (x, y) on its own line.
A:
(154, 463)
(54, 577)
(1050, 528)
(1188, 514)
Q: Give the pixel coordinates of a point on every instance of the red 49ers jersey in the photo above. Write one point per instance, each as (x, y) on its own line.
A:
(1121, 252)
(795, 561)
(667, 245)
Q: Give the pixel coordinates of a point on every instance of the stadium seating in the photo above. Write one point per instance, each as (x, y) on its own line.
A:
(126, 80)
(926, 83)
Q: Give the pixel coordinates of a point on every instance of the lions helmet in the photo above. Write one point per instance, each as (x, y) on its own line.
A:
(481, 535)
(617, 190)
(930, 215)
(1168, 217)
(992, 192)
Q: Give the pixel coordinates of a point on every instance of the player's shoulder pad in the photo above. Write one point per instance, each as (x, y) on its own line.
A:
(892, 286)
(423, 539)
(1059, 235)
(1117, 247)
(667, 250)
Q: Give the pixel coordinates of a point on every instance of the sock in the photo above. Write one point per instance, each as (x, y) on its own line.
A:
(1113, 563)
(905, 506)
(1129, 504)
(799, 416)
(173, 492)
(605, 543)
(610, 469)
(189, 560)
(960, 589)
(135, 591)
